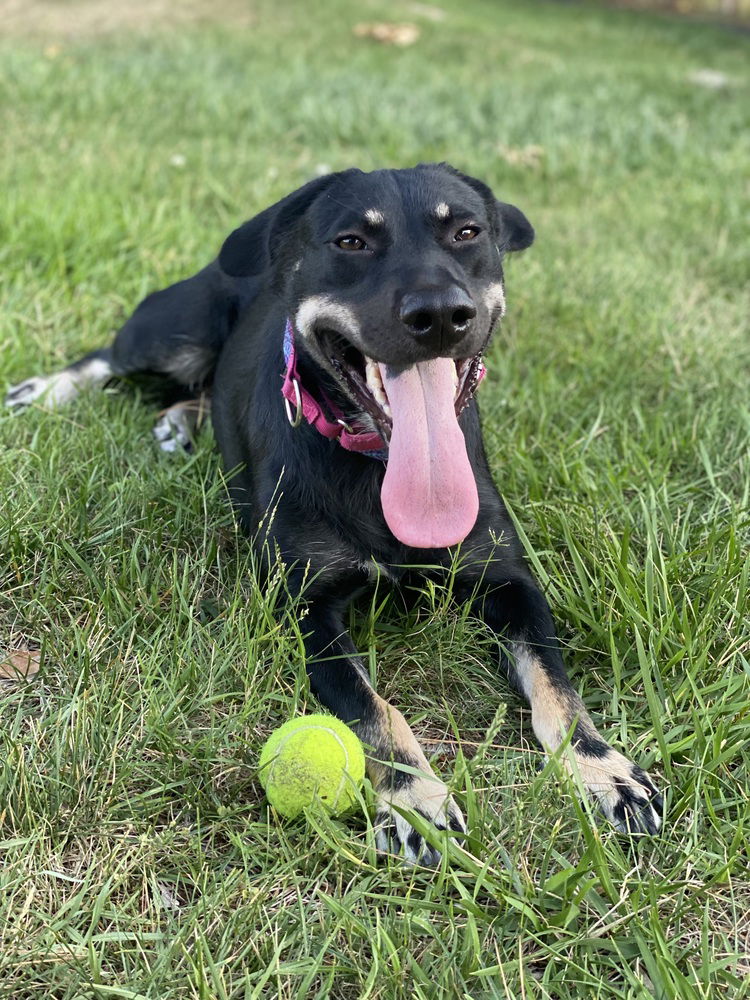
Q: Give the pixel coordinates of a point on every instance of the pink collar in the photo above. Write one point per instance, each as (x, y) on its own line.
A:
(329, 421)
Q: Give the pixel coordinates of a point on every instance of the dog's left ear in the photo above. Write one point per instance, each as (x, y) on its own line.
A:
(516, 232)
(513, 229)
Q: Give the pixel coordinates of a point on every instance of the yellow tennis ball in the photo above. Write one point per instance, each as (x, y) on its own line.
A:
(315, 758)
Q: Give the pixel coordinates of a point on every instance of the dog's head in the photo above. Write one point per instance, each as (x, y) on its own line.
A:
(394, 281)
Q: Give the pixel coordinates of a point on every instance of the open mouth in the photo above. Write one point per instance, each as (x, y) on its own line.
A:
(428, 494)
(362, 377)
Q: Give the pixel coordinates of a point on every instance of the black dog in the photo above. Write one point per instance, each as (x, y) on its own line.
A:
(342, 332)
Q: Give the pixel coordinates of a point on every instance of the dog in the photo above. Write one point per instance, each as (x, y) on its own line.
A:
(341, 332)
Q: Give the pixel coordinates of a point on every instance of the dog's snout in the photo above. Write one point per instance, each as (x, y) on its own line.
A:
(437, 317)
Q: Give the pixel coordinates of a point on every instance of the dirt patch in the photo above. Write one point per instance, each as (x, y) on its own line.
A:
(69, 19)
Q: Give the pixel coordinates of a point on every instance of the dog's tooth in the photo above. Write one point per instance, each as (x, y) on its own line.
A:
(375, 384)
(380, 397)
(457, 379)
(372, 375)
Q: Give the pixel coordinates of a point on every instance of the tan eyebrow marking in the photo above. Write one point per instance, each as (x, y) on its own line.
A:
(374, 216)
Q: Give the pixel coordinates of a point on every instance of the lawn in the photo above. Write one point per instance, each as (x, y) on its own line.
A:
(138, 857)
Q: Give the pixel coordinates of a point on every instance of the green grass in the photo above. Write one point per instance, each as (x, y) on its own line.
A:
(139, 859)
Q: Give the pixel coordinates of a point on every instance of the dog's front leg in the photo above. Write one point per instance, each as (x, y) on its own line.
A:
(516, 610)
(396, 765)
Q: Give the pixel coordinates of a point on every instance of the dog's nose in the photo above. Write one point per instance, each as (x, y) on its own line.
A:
(437, 317)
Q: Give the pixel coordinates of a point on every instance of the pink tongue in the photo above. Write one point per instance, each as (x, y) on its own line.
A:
(429, 495)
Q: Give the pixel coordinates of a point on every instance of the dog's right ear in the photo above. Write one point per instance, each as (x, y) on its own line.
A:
(249, 249)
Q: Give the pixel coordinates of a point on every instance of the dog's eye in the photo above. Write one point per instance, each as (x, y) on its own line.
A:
(350, 242)
(466, 233)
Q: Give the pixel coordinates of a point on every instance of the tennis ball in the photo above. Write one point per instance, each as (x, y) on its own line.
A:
(313, 758)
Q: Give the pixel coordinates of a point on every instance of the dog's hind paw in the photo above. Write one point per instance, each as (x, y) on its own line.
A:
(429, 798)
(61, 387)
(624, 792)
(56, 389)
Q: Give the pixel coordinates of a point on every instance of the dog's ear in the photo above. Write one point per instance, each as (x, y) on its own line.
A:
(513, 229)
(516, 232)
(249, 250)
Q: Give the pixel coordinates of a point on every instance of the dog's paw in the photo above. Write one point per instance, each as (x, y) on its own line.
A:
(427, 796)
(624, 792)
(173, 432)
(176, 428)
(56, 389)
(61, 387)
